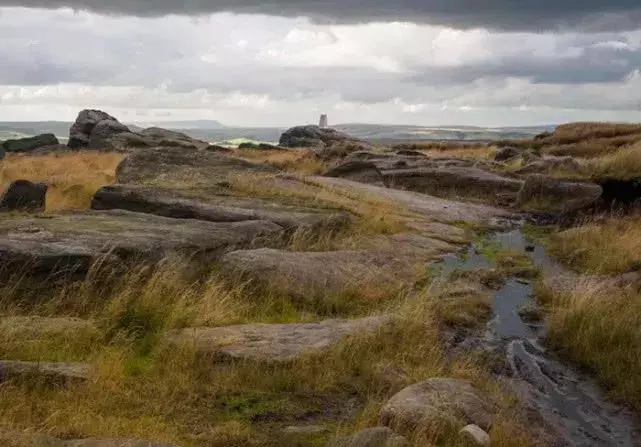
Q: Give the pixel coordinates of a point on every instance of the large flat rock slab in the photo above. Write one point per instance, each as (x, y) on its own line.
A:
(65, 373)
(182, 205)
(72, 241)
(433, 208)
(391, 264)
(461, 181)
(275, 342)
(182, 168)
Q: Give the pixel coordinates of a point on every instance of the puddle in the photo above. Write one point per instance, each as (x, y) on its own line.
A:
(570, 402)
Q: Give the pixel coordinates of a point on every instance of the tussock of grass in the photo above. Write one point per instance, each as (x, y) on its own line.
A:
(598, 328)
(73, 178)
(609, 247)
(623, 164)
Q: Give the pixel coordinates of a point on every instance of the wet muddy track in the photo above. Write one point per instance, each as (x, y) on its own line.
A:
(568, 400)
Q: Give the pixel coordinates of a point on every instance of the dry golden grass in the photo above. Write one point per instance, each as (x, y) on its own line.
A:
(622, 164)
(302, 161)
(73, 179)
(482, 152)
(609, 247)
(598, 327)
(374, 215)
(141, 387)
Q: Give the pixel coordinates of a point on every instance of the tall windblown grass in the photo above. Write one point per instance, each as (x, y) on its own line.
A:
(598, 327)
(142, 387)
(609, 247)
(73, 178)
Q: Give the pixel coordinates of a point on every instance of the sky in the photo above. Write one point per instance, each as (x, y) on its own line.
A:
(284, 62)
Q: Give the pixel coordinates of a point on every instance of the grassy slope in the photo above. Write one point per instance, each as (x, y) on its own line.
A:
(593, 323)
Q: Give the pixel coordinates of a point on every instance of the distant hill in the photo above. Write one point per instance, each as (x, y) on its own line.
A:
(214, 131)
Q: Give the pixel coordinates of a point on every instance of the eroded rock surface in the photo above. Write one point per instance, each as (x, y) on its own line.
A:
(433, 400)
(181, 205)
(72, 241)
(307, 275)
(183, 168)
(313, 136)
(274, 342)
(14, 438)
(371, 437)
(64, 373)
(541, 192)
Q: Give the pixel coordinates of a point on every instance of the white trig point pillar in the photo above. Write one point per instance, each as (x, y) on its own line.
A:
(323, 121)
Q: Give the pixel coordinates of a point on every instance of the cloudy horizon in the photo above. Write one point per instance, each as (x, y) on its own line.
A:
(244, 63)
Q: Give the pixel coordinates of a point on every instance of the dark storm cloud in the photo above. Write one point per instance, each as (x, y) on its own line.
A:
(493, 14)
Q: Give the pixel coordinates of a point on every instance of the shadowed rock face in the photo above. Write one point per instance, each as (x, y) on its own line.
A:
(358, 171)
(71, 242)
(24, 195)
(274, 342)
(313, 136)
(81, 130)
(29, 144)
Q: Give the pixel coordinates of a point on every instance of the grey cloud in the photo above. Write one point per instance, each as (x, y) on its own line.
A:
(493, 14)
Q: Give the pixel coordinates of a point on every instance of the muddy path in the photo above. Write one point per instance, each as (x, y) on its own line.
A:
(568, 400)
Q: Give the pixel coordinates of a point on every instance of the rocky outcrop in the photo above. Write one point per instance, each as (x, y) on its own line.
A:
(12, 438)
(432, 208)
(308, 275)
(103, 133)
(371, 437)
(543, 165)
(183, 168)
(98, 130)
(175, 204)
(30, 143)
(274, 342)
(434, 399)
(24, 195)
(80, 132)
(71, 242)
(313, 136)
(542, 193)
(465, 182)
(506, 153)
(55, 373)
(358, 171)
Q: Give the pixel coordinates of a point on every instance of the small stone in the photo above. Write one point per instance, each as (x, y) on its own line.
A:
(24, 195)
(475, 435)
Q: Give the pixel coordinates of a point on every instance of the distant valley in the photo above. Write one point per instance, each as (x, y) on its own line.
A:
(215, 132)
